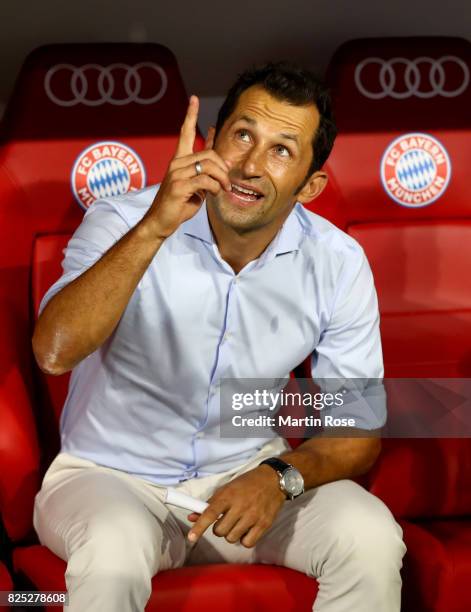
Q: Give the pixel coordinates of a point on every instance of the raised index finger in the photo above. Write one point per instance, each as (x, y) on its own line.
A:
(206, 518)
(186, 141)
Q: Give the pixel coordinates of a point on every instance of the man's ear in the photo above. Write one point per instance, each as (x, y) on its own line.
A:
(313, 187)
(209, 143)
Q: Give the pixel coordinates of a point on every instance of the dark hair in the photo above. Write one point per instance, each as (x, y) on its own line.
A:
(295, 85)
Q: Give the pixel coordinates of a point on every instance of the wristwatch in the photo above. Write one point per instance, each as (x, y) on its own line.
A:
(291, 481)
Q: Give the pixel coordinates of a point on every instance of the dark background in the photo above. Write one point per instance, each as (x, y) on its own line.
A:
(214, 39)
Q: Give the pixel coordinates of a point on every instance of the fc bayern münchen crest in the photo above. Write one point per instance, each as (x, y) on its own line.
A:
(106, 169)
(415, 170)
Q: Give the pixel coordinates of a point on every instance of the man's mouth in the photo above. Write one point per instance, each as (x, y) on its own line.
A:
(245, 193)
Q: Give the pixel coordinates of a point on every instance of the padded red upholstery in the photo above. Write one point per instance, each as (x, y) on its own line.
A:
(420, 257)
(354, 169)
(46, 269)
(437, 566)
(419, 254)
(19, 455)
(426, 85)
(208, 588)
(367, 123)
(424, 478)
(94, 103)
(424, 287)
(5, 579)
(429, 270)
(40, 143)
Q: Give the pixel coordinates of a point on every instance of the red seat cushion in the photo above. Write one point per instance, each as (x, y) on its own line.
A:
(209, 588)
(424, 478)
(437, 567)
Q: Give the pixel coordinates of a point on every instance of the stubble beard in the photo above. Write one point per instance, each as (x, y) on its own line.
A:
(241, 220)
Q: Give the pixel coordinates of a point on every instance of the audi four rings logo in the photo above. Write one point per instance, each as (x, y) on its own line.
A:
(117, 84)
(428, 83)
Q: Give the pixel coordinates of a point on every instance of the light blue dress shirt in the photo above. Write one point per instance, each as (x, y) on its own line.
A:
(146, 402)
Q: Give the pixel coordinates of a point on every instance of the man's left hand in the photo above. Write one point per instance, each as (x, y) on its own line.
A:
(248, 505)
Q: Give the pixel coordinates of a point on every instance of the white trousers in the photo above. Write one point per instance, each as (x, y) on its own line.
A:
(115, 533)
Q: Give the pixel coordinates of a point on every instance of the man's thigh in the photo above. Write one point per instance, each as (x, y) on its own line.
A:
(82, 505)
(307, 530)
(338, 517)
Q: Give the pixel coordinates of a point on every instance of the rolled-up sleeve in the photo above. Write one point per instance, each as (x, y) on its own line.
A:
(350, 346)
(349, 357)
(102, 226)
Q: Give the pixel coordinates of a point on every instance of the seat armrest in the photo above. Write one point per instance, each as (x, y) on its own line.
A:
(19, 451)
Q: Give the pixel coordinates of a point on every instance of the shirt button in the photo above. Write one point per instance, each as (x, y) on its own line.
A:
(226, 336)
(199, 434)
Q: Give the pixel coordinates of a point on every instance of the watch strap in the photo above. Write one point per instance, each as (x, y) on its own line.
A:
(277, 464)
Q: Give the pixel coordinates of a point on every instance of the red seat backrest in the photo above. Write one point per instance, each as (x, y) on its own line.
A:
(424, 478)
(422, 276)
(67, 99)
(402, 83)
(409, 206)
(400, 166)
(19, 452)
(46, 269)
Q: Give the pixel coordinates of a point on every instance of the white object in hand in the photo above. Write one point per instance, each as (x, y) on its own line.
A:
(185, 501)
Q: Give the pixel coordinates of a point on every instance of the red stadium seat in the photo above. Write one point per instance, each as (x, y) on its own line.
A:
(401, 169)
(105, 119)
(98, 109)
(408, 205)
(210, 588)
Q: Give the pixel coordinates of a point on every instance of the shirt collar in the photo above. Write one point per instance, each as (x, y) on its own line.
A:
(198, 226)
(290, 235)
(287, 239)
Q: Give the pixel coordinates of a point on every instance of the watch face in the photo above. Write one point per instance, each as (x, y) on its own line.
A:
(293, 482)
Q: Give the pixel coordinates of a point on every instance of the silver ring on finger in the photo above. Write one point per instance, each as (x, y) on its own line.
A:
(198, 168)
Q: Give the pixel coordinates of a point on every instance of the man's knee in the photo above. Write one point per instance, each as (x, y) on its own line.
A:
(132, 547)
(109, 570)
(364, 533)
(105, 579)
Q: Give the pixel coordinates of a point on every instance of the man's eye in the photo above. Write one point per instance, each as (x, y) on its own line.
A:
(282, 150)
(243, 135)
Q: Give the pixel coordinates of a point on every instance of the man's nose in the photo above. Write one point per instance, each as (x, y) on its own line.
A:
(253, 163)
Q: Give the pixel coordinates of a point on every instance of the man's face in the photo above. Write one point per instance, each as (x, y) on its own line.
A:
(268, 144)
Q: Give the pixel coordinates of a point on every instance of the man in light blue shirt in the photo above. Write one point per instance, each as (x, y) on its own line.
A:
(218, 274)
